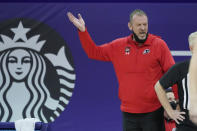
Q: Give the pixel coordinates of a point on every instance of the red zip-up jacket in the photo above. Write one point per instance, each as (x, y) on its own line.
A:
(138, 68)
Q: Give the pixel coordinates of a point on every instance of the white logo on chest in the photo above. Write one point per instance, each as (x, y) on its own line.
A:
(146, 51)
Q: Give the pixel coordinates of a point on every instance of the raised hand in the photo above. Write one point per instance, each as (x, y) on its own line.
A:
(78, 22)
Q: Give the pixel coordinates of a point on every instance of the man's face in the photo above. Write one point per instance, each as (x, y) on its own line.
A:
(139, 26)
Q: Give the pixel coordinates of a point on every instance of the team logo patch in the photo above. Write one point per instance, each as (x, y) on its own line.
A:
(37, 74)
(146, 51)
(127, 50)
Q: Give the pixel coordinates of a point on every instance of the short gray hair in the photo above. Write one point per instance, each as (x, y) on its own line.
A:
(192, 37)
(137, 12)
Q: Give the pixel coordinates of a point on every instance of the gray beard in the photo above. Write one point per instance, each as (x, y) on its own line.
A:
(139, 40)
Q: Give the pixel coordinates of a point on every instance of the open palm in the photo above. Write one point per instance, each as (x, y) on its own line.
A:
(78, 22)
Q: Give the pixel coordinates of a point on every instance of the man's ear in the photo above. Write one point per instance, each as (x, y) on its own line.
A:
(130, 26)
(191, 48)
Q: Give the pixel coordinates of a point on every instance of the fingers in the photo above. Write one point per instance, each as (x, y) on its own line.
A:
(183, 113)
(182, 117)
(70, 16)
(69, 13)
(78, 22)
(81, 19)
(79, 16)
(179, 116)
(176, 121)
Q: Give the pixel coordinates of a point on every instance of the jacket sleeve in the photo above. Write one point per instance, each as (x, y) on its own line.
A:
(103, 52)
(167, 61)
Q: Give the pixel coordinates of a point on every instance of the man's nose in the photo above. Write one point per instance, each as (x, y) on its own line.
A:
(142, 27)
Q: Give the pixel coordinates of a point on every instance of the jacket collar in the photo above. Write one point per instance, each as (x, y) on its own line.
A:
(149, 40)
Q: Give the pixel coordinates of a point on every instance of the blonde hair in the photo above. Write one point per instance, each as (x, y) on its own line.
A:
(192, 38)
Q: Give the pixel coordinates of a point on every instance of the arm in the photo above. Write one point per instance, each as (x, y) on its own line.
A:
(102, 52)
(174, 114)
(193, 85)
(171, 77)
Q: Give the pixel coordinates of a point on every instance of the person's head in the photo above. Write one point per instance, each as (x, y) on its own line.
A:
(192, 40)
(139, 25)
(19, 64)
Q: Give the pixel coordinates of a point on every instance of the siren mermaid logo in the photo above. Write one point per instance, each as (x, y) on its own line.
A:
(36, 71)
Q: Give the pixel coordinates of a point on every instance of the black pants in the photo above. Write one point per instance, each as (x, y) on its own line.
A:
(153, 121)
(186, 125)
(184, 128)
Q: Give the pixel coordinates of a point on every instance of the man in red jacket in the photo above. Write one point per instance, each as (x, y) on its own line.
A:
(139, 60)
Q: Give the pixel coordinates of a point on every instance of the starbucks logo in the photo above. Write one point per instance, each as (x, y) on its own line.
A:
(37, 75)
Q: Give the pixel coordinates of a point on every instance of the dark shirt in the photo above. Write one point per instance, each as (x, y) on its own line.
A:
(178, 74)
